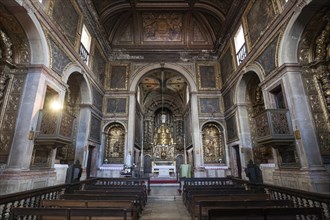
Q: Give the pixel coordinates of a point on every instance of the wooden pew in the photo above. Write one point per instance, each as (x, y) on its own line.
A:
(264, 213)
(137, 201)
(196, 199)
(112, 191)
(192, 188)
(204, 206)
(206, 190)
(71, 213)
(125, 204)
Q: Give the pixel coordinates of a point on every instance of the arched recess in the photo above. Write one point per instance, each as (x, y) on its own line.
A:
(183, 71)
(250, 103)
(34, 33)
(77, 106)
(114, 144)
(213, 140)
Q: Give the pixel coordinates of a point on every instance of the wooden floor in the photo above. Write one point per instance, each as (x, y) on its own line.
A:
(165, 203)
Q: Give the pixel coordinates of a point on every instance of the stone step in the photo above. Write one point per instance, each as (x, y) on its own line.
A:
(165, 198)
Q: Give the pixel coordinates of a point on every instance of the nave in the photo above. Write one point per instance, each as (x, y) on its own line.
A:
(191, 198)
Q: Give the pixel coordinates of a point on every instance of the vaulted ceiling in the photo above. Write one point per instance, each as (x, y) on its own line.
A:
(171, 25)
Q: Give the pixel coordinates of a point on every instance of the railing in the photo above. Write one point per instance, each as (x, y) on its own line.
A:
(83, 53)
(299, 198)
(274, 125)
(32, 198)
(55, 127)
(241, 54)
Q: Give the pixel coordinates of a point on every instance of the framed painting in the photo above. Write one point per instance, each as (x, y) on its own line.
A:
(208, 77)
(116, 105)
(209, 105)
(118, 77)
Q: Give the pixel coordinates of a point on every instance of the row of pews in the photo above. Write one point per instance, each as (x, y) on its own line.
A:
(220, 198)
(115, 199)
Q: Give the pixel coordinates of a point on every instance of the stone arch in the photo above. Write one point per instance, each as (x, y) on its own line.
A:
(86, 91)
(140, 72)
(289, 44)
(34, 33)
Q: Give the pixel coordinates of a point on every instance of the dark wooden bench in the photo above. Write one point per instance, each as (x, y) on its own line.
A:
(264, 213)
(186, 196)
(60, 203)
(188, 189)
(204, 206)
(112, 191)
(196, 199)
(137, 201)
(71, 213)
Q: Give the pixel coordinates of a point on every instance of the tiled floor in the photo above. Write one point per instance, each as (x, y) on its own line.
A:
(165, 203)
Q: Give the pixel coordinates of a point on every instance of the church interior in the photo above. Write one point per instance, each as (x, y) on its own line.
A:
(164, 90)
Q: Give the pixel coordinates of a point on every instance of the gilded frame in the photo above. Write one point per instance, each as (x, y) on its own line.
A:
(116, 106)
(209, 105)
(121, 77)
(202, 78)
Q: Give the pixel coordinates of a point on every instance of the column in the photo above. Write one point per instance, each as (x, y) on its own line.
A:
(302, 120)
(130, 129)
(196, 139)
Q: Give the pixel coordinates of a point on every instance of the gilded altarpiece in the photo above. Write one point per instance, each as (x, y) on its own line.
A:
(213, 143)
(316, 75)
(114, 144)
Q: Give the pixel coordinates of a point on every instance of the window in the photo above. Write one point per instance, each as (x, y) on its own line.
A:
(240, 46)
(85, 44)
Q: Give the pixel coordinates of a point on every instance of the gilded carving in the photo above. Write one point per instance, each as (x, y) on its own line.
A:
(213, 144)
(322, 42)
(4, 80)
(6, 47)
(162, 26)
(114, 144)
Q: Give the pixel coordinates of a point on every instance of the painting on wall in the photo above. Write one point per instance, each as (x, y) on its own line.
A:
(267, 58)
(209, 105)
(257, 18)
(66, 16)
(95, 128)
(116, 105)
(208, 77)
(118, 77)
(162, 27)
(226, 65)
(232, 128)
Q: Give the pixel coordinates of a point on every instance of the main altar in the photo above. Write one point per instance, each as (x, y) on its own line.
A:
(163, 164)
